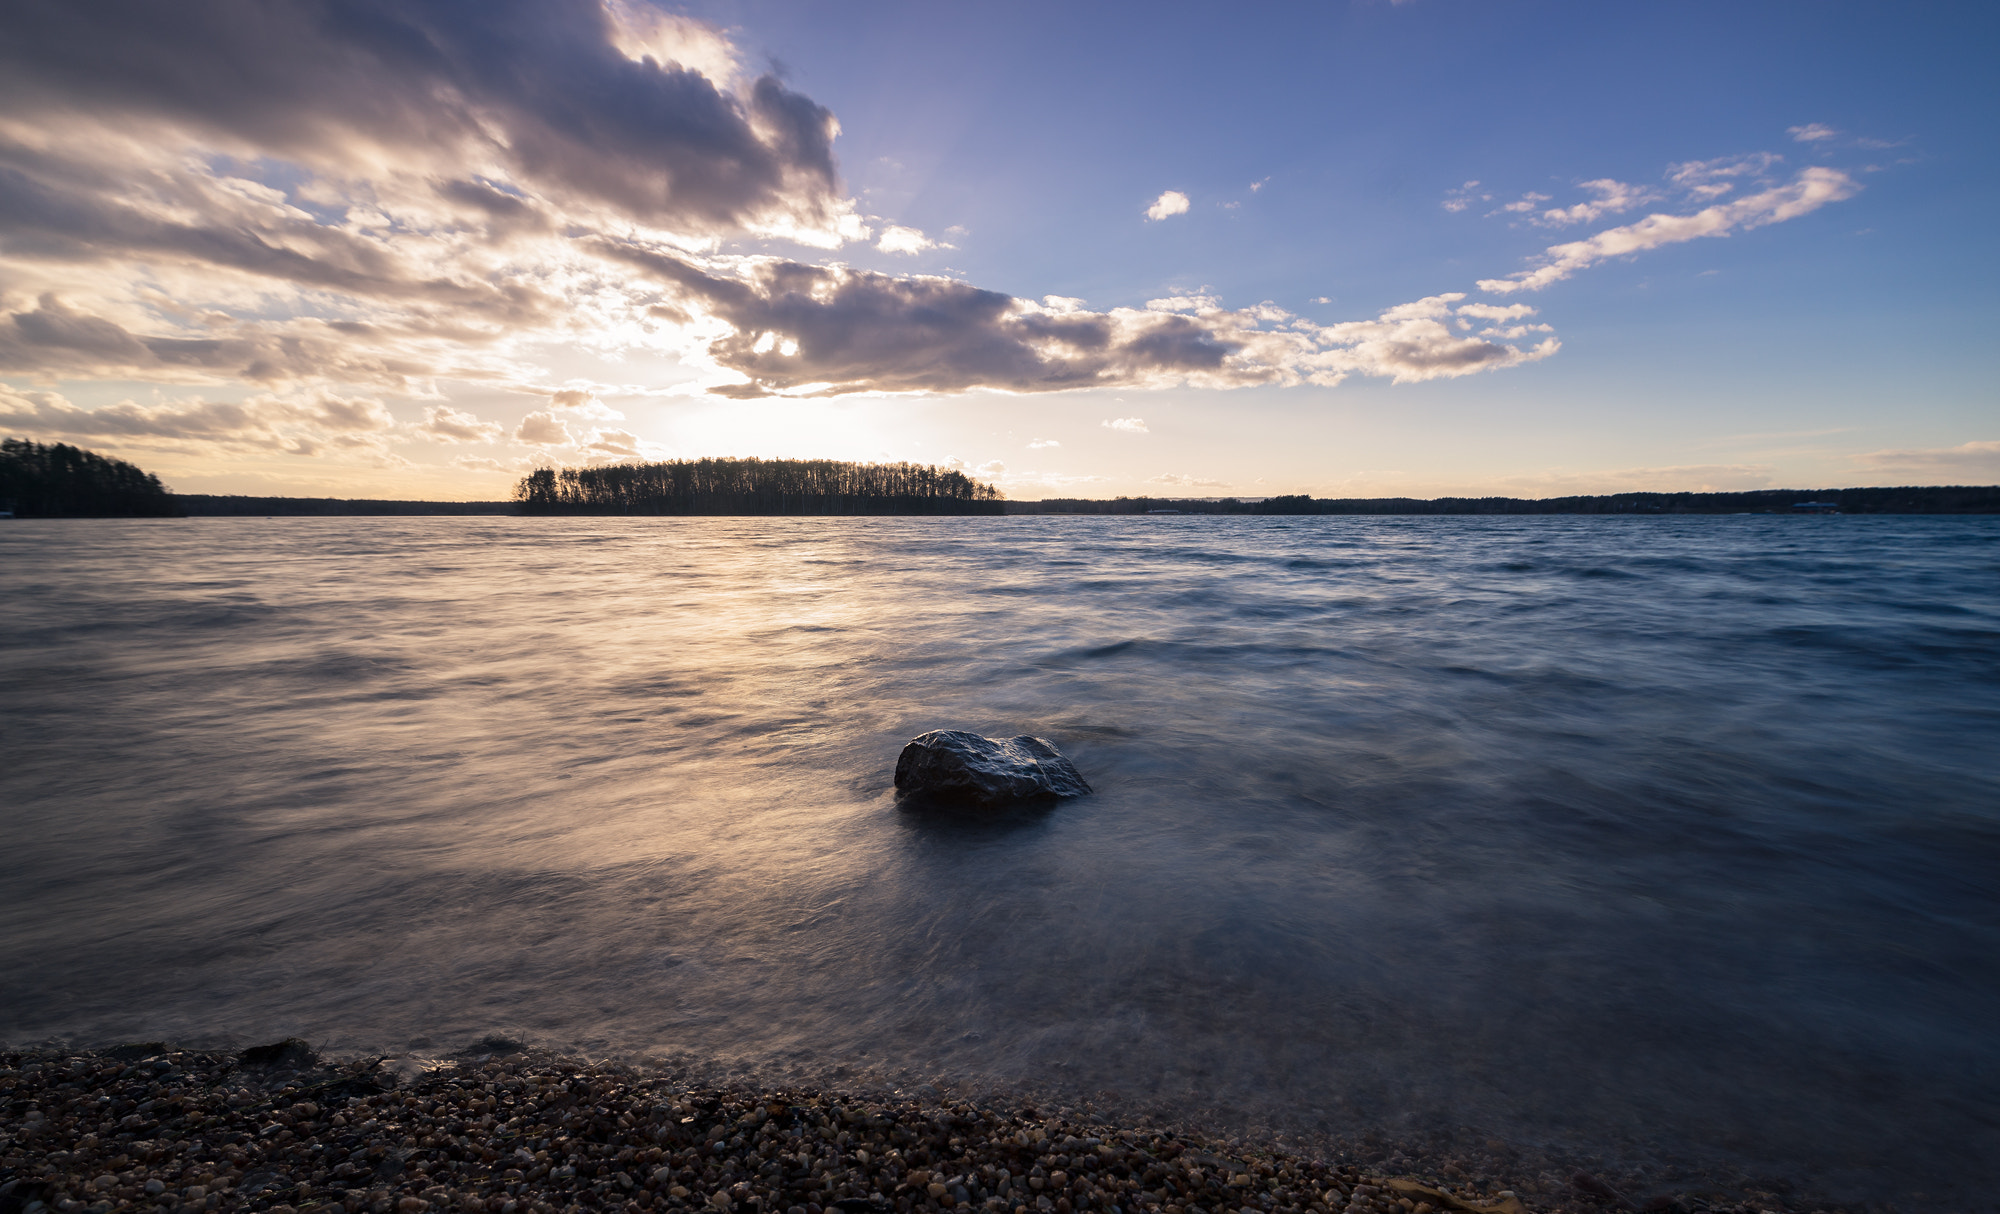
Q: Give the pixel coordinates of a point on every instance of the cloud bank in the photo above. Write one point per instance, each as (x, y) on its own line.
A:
(326, 206)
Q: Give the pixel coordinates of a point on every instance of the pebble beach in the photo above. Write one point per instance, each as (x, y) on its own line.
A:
(500, 1130)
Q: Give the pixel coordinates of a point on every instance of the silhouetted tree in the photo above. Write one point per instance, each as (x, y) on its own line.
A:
(56, 480)
(755, 486)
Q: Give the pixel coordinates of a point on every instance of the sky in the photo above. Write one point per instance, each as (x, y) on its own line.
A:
(417, 248)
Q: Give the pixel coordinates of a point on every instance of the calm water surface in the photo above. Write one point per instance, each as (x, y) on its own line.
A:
(1682, 833)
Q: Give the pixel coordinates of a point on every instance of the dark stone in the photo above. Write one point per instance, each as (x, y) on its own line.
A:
(953, 765)
(346, 1088)
(19, 1193)
(134, 1051)
(492, 1045)
(291, 1054)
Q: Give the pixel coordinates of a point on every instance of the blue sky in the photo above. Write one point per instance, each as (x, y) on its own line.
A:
(1775, 221)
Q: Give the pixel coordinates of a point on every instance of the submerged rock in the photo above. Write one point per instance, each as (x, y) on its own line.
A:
(953, 765)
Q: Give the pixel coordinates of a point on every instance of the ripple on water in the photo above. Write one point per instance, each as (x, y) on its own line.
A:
(1677, 831)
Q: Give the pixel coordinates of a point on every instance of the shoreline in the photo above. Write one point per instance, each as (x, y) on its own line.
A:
(502, 1129)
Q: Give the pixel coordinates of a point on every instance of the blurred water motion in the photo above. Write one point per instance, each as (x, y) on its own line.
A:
(1682, 830)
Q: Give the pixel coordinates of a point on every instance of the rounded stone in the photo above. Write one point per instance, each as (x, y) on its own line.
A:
(956, 766)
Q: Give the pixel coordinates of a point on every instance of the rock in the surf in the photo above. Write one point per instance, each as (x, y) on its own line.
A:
(953, 765)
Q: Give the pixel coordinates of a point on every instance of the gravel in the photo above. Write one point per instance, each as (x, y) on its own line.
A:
(162, 1131)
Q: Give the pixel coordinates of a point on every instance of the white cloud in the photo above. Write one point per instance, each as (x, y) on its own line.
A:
(1811, 132)
(613, 446)
(1706, 179)
(1813, 188)
(1184, 481)
(543, 429)
(1457, 200)
(1494, 311)
(1172, 202)
(481, 463)
(1613, 198)
(1130, 425)
(1411, 343)
(1525, 203)
(583, 403)
(991, 467)
(1040, 443)
(1979, 459)
(904, 240)
(1184, 303)
(444, 424)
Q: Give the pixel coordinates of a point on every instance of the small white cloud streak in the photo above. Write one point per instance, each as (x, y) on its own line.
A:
(904, 240)
(1613, 198)
(1811, 190)
(1041, 443)
(1979, 459)
(1706, 179)
(481, 463)
(1130, 425)
(1457, 200)
(1495, 311)
(1184, 481)
(1171, 202)
(1811, 132)
(444, 424)
(582, 403)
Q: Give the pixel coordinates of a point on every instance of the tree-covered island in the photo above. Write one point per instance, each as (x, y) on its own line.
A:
(755, 486)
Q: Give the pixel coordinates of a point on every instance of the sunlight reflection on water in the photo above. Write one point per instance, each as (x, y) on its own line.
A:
(1587, 827)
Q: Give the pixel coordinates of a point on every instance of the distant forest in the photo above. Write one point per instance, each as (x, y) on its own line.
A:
(755, 486)
(1948, 499)
(56, 480)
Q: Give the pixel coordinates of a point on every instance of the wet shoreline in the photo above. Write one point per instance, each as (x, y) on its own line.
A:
(504, 1130)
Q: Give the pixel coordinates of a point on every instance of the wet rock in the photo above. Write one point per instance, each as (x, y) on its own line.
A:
(291, 1054)
(951, 765)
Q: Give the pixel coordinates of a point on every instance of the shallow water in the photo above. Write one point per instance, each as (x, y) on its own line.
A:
(1640, 835)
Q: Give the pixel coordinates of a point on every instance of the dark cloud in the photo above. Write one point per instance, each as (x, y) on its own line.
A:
(50, 216)
(797, 325)
(543, 85)
(394, 193)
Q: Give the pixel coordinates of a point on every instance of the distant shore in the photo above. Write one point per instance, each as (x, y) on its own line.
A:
(500, 1129)
(1948, 499)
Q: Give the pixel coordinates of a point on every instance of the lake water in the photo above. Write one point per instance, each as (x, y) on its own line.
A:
(1652, 836)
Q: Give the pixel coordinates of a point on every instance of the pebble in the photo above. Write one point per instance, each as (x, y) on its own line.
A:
(539, 1134)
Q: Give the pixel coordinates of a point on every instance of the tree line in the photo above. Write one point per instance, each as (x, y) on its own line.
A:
(56, 480)
(1907, 499)
(755, 486)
